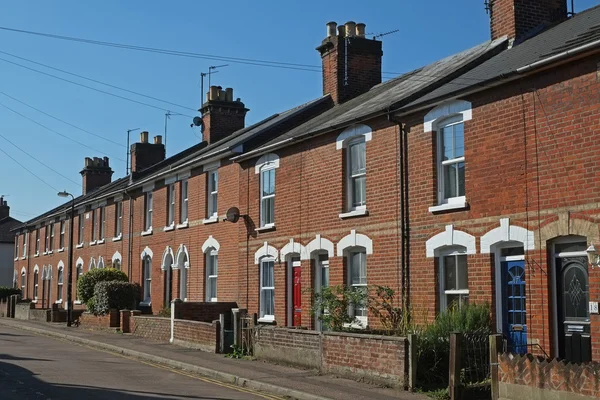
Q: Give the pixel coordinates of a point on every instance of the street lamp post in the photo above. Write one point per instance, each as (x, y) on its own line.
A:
(70, 266)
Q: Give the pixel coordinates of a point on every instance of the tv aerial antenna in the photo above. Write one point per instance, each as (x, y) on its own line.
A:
(378, 35)
(211, 70)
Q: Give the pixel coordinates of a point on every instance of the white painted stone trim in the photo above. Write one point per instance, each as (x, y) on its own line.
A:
(23, 270)
(117, 256)
(35, 269)
(507, 233)
(100, 262)
(448, 109)
(291, 248)
(351, 132)
(450, 237)
(354, 240)
(269, 160)
(147, 252)
(180, 251)
(266, 251)
(60, 265)
(318, 243)
(92, 264)
(168, 251)
(211, 242)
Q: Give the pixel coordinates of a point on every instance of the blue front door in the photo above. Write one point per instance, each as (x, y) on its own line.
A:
(514, 315)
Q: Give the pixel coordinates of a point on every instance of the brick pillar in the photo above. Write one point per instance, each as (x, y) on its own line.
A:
(134, 313)
(54, 317)
(125, 320)
(115, 320)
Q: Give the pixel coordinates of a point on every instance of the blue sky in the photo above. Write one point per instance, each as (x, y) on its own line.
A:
(269, 30)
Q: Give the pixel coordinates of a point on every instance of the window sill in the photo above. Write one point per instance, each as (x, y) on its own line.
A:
(145, 303)
(169, 228)
(22, 258)
(362, 323)
(58, 302)
(147, 232)
(100, 241)
(461, 205)
(16, 259)
(116, 239)
(210, 220)
(34, 301)
(93, 243)
(265, 228)
(79, 246)
(77, 302)
(44, 253)
(356, 213)
(267, 320)
(36, 255)
(60, 250)
(183, 225)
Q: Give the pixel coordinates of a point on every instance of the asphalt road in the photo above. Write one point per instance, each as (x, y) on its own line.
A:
(43, 368)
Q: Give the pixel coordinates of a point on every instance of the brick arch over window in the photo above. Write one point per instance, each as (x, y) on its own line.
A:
(317, 244)
(211, 242)
(292, 247)
(353, 132)
(146, 253)
(566, 226)
(454, 107)
(266, 251)
(168, 259)
(354, 240)
(450, 238)
(507, 233)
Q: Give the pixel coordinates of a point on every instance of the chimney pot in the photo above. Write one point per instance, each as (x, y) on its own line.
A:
(213, 93)
(144, 137)
(222, 95)
(331, 28)
(360, 30)
(229, 94)
(341, 31)
(350, 28)
(87, 162)
(158, 139)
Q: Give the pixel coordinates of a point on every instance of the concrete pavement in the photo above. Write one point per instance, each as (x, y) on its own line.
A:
(41, 368)
(276, 379)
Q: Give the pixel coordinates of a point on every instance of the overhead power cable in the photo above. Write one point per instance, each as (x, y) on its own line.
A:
(97, 81)
(60, 120)
(38, 161)
(28, 170)
(57, 133)
(88, 87)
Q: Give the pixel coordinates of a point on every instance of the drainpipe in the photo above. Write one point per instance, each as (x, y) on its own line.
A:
(404, 209)
(130, 234)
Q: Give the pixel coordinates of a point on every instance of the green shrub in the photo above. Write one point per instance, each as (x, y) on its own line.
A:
(434, 341)
(114, 295)
(6, 292)
(87, 282)
(333, 303)
(393, 319)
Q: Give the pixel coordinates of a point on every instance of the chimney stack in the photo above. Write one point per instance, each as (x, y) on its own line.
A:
(145, 154)
(4, 208)
(351, 62)
(517, 18)
(95, 173)
(221, 114)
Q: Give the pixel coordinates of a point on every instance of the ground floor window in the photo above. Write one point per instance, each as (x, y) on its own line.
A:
(212, 268)
(267, 289)
(35, 285)
(147, 278)
(357, 263)
(59, 285)
(454, 288)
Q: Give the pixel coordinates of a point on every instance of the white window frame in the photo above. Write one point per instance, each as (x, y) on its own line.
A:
(94, 227)
(25, 242)
(185, 194)
(46, 239)
(23, 283)
(266, 317)
(148, 199)
(446, 123)
(81, 230)
(118, 220)
(212, 255)
(147, 280)
(36, 282)
(265, 163)
(212, 192)
(37, 242)
(102, 224)
(78, 273)
(61, 235)
(443, 293)
(263, 223)
(350, 201)
(362, 319)
(171, 199)
(182, 263)
(17, 239)
(59, 283)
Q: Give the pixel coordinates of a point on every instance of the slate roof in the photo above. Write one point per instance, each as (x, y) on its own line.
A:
(6, 225)
(579, 30)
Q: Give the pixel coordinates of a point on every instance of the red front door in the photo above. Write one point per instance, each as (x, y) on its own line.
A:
(297, 296)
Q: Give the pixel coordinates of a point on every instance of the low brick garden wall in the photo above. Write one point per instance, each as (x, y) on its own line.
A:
(4, 308)
(22, 310)
(155, 328)
(195, 334)
(110, 321)
(40, 315)
(528, 377)
(202, 311)
(378, 359)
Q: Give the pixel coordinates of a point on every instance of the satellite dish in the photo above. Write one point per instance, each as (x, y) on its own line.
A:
(198, 121)
(233, 215)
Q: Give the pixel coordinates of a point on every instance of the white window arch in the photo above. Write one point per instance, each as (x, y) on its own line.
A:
(318, 244)
(292, 247)
(354, 142)
(266, 250)
(36, 282)
(147, 252)
(92, 264)
(266, 256)
(448, 121)
(354, 240)
(507, 233)
(60, 269)
(210, 248)
(100, 262)
(450, 238)
(167, 259)
(266, 166)
(23, 281)
(182, 264)
(117, 260)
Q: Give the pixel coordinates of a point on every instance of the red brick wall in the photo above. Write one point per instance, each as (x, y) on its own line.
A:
(548, 377)
(201, 335)
(379, 359)
(518, 17)
(91, 321)
(205, 312)
(154, 328)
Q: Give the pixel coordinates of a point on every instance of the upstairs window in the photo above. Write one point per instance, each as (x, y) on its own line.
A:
(80, 231)
(118, 219)
(61, 236)
(94, 226)
(25, 240)
(184, 201)
(212, 193)
(47, 239)
(17, 238)
(37, 241)
(148, 212)
(267, 197)
(357, 174)
(102, 223)
(171, 205)
(451, 159)
(51, 241)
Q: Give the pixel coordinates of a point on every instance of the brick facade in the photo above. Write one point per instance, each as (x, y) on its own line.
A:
(155, 328)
